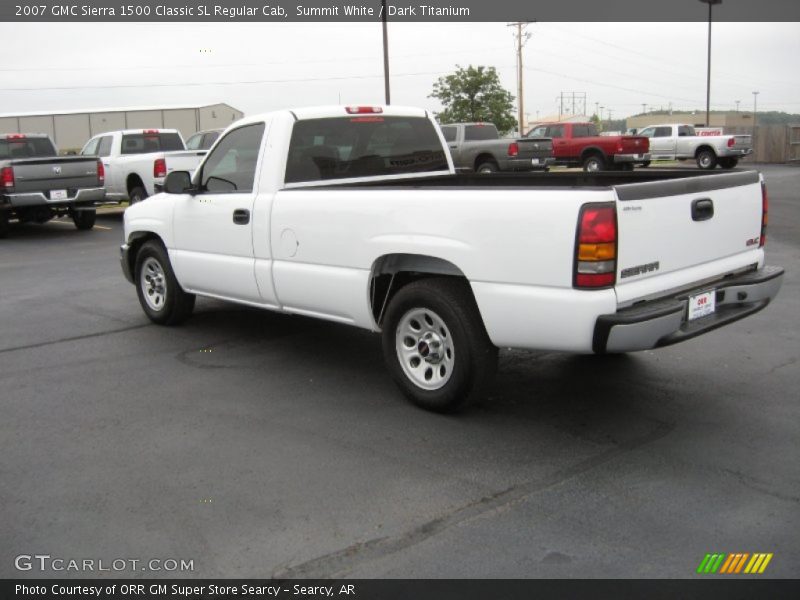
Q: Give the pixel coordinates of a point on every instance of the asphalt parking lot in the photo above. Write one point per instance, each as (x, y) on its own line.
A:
(263, 445)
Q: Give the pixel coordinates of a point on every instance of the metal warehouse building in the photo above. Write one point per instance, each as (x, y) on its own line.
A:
(70, 129)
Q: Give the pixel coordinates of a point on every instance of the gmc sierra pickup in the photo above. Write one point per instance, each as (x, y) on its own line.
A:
(328, 212)
(36, 184)
(136, 161)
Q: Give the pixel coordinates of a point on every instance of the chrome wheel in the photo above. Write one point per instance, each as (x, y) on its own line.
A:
(153, 282)
(425, 348)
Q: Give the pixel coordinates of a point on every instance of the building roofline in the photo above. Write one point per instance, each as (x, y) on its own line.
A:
(84, 111)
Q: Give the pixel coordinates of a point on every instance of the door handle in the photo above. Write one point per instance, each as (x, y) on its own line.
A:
(702, 209)
(241, 216)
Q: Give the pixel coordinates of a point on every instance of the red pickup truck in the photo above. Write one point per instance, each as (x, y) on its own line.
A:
(579, 145)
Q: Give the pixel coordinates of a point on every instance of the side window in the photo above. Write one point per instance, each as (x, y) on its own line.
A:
(193, 143)
(663, 132)
(104, 146)
(90, 149)
(209, 139)
(685, 130)
(556, 131)
(449, 134)
(579, 131)
(538, 132)
(231, 166)
(648, 132)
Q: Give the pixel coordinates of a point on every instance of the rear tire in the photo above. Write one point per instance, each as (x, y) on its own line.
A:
(160, 295)
(594, 163)
(728, 162)
(645, 164)
(435, 345)
(84, 219)
(487, 167)
(706, 160)
(137, 194)
(5, 226)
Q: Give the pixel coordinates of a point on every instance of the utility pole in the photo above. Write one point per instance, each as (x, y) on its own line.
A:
(737, 105)
(597, 109)
(520, 25)
(644, 108)
(385, 54)
(711, 4)
(755, 116)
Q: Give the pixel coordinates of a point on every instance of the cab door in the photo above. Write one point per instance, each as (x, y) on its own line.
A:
(213, 227)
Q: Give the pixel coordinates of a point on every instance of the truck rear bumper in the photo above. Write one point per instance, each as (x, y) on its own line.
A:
(736, 152)
(664, 322)
(631, 158)
(526, 164)
(85, 195)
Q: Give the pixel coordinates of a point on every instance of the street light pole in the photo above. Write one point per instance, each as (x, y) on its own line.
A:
(385, 55)
(710, 3)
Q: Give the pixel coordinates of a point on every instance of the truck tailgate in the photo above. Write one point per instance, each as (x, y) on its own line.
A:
(535, 147)
(684, 231)
(54, 173)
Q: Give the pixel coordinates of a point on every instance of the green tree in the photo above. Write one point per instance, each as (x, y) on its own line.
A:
(473, 95)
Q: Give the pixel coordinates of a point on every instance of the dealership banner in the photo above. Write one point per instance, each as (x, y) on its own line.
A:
(396, 10)
(398, 589)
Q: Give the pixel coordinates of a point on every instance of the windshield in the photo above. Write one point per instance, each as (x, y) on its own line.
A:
(363, 146)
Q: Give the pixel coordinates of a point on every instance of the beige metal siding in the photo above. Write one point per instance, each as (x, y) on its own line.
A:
(145, 119)
(218, 116)
(8, 125)
(42, 124)
(72, 131)
(184, 120)
(106, 121)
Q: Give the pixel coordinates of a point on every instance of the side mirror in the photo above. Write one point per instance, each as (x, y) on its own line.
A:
(178, 182)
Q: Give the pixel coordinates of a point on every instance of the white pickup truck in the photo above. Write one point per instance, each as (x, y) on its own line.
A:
(680, 142)
(355, 214)
(136, 161)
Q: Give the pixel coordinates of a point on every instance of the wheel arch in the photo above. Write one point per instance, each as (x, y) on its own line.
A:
(133, 180)
(391, 272)
(482, 158)
(591, 150)
(702, 147)
(136, 240)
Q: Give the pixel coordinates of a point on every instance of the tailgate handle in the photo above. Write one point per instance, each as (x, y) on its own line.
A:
(702, 209)
(241, 216)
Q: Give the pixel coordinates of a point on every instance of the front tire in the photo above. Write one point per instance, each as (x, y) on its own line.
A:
(160, 295)
(84, 219)
(706, 160)
(435, 345)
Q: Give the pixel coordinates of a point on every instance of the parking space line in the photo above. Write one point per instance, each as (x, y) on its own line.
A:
(103, 227)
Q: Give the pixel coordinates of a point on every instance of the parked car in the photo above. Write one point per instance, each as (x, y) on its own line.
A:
(580, 145)
(330, 213)
(136, 161)
(478, 147)
(681, 142)
(37, 185)
(203, 140)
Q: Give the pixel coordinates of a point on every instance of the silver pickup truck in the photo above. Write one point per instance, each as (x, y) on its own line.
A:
(680, 142)
(37, 185)
(477, 147)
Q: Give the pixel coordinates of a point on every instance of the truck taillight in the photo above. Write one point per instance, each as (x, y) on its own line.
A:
(596, 247)
(764, 211)
(101, 172)
(160, 167)
(513, 149)
(620, 148)
(731, 142)
(7, 177)
(363, 110)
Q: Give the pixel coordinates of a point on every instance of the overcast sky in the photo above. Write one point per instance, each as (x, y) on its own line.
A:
(258, 67)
